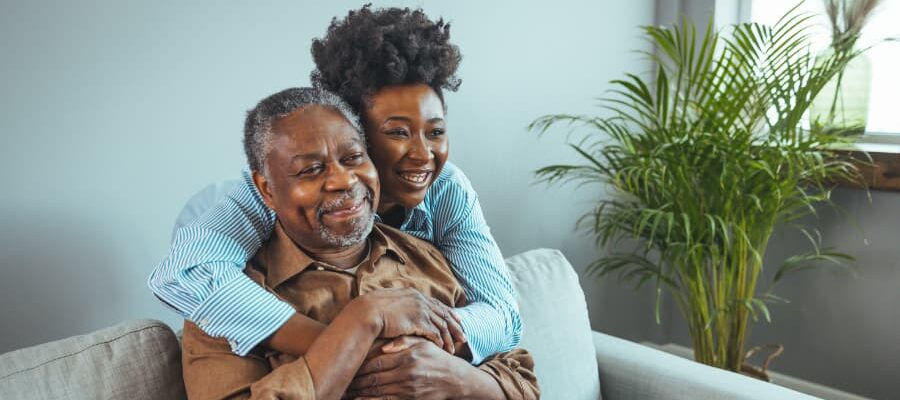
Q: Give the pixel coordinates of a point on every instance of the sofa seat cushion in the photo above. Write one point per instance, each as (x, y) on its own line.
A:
(557, 330)
(134, 360)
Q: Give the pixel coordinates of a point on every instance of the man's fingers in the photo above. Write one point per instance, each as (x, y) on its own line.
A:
(374, 384)
(383, 391)
(401, 343)
(433, 335)
(456, 330)
(384, 362)
(456, 317)
(445, 333)
(451, 324)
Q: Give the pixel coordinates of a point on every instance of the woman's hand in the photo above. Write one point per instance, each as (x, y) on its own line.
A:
(405, 312)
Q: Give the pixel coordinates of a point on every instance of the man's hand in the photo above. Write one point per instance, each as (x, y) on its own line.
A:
(404, 312)
(422, 371)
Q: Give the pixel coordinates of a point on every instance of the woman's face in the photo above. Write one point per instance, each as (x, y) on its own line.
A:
(408, 142)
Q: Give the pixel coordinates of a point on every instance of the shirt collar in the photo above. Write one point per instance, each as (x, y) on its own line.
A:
(418, 213)
(281, 259)
(412, 217)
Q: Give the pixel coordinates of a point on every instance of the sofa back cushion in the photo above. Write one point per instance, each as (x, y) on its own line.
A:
(555, 319)
(134, 360)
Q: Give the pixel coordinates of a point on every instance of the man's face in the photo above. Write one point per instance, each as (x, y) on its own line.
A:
(320, 181)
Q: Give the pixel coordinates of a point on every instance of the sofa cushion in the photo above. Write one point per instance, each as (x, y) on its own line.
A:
(134, 360)
(555, 319)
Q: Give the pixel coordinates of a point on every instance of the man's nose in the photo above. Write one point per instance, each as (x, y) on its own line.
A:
(340, 178)
(420, 149)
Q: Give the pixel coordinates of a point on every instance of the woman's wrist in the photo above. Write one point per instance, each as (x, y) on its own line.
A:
(366, 313)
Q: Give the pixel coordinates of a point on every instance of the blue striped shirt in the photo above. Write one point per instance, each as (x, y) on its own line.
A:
(203, 279)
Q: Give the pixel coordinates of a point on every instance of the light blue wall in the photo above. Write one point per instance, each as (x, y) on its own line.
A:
(115, 112)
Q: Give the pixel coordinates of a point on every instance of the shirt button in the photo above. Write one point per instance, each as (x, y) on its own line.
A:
(203, 323)
(320, 268)
(233, 344)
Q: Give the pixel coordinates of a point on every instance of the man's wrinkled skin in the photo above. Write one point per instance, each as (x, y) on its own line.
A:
(325, 190)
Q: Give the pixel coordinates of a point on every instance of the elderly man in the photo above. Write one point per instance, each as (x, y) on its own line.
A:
(330, 260)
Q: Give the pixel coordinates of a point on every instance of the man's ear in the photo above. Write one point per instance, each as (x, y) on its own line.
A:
(264, 188)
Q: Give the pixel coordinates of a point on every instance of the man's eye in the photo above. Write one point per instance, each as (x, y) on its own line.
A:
(438, 132)
(311, 170)
(355, 158)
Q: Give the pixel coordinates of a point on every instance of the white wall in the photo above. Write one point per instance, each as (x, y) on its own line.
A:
(115, 112)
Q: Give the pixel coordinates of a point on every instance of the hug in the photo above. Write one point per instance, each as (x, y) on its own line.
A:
(351, 238)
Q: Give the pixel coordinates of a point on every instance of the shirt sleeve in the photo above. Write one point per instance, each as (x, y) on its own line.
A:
(202, 277)
(211, 371)
(491, 320)
(514, 372)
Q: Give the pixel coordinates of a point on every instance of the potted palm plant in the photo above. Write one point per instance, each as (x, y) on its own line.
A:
(702, 163)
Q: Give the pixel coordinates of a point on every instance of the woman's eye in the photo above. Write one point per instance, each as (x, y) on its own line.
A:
(398, 132)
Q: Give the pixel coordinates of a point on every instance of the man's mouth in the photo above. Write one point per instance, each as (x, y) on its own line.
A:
(351, 208)
(351, 204)
(415, 177)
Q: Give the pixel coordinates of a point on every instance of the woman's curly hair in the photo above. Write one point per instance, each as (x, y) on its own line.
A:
(370, 49)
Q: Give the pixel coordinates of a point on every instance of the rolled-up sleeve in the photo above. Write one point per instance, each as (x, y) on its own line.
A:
(514, 371)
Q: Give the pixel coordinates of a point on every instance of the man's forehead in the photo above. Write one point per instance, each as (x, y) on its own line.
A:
(317, 121)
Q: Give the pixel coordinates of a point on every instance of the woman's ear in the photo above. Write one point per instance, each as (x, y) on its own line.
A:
(264, 188)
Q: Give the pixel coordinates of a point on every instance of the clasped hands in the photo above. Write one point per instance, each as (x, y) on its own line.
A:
(415, 356)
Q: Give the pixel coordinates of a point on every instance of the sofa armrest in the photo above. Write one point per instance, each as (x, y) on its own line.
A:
(631, 371)
(135, 359)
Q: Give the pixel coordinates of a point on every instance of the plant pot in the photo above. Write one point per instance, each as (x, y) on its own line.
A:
(761, 372)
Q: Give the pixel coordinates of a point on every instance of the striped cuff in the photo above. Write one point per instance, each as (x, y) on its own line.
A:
(242, 312)
(485, 330)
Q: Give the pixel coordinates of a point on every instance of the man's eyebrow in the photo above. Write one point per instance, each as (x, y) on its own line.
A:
(357, 141)
(307, 156)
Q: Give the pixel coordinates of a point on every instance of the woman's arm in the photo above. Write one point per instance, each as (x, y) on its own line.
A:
(203, 279)
(491, 320)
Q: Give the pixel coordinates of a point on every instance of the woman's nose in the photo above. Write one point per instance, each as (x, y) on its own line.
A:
(420, 149)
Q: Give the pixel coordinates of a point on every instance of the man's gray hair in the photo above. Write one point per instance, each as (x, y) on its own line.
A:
(258, 126)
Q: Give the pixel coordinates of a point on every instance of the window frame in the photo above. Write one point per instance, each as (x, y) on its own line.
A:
(876, 154)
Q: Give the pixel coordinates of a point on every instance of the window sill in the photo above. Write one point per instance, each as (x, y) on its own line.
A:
(883, 171)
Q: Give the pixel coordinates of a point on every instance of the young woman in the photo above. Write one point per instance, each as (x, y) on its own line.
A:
(392, 66)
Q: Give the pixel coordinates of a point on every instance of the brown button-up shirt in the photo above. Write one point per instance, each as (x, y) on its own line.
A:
(320, 291)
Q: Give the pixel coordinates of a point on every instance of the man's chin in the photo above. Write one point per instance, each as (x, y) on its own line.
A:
(350, 233)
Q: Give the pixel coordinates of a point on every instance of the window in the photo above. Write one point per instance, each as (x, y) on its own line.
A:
(883, 124)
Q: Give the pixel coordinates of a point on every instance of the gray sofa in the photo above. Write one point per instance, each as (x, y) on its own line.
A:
(141, 359)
